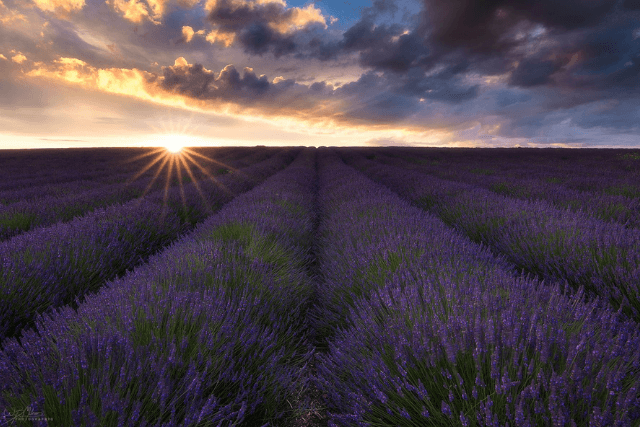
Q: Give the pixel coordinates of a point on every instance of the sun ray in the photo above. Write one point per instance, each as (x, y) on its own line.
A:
(179, 173)
(143, 155)
(206, 172)
(217, 162)
(195, 182)
(156, 175)
(149, 166)
(172, 154)
(167, 185)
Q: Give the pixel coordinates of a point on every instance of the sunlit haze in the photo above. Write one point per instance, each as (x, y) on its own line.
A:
(92, 73)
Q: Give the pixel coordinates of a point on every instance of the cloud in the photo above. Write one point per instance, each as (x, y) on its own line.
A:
(260, 26)
(137, 11)
(18, 58)
(481, 26)
(188, 33)
(62, 8)
(130, 82)
(391, 48)
(217, 36)
(532, 72)
(512, 64)
(235, 15)
(140, 11)
(10, 16)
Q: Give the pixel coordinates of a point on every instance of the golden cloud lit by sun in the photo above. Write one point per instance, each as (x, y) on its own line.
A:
(293, 113)
(60, 7)
(188, 33)
(19, 58)
(136, 11)
(9, 16)
(297, 18)
(221, 37)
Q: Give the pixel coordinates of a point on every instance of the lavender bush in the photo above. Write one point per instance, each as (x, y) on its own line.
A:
(52, 266)
(209, 332)
(431, 329)
(533, 182)
(21, 216)
(557, 245)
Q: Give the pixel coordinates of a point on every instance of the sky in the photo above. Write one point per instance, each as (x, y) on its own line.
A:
(456, 73)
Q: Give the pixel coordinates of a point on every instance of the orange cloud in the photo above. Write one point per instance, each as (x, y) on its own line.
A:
(19, 58)
(138, 11)
(192, 87)
(8, 16)
(218, 36)
(60, 7)
(188, 33)
(132, 10)
(297, 18)
(132, 82)
(230, 16)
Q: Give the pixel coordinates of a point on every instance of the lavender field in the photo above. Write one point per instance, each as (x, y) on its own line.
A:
(291, 287)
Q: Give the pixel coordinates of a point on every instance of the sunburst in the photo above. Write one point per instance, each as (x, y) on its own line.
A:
(171, 157)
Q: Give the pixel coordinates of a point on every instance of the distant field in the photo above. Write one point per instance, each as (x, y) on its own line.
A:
(320, 287)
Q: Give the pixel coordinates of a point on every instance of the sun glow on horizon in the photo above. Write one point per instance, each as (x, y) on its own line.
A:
(181, 166)
(174, 148)
(174, 143)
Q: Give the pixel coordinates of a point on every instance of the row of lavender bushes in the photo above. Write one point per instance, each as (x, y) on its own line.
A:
(527, 185)
(28, 168)
(52, 266)
(211, 331)
(27, 214)
(427, 328)
(554, 244)
(142, 165)
(613, 172)
(50, 173)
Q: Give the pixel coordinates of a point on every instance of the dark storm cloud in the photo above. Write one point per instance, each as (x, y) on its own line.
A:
(197, 82)
(480, 25)
(441, 86)
(259, 38)
(233, 17)
(631, 4)
(368, 100)
(609, 49)
(381, 108)
(264, 27)
(506, 98)
(533, 72)
(385, 48)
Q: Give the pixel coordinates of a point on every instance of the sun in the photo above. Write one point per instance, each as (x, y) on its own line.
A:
(174, 148)
(173, 143)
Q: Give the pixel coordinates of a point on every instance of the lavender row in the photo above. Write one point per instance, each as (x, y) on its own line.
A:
(45, 167)
(52, 266)
(429, 328)
(554, 244)
(613, 172)
(541, 185)
(115, 176)
(143, 165)
(26, 168)
(24, 215)
(209, 332)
